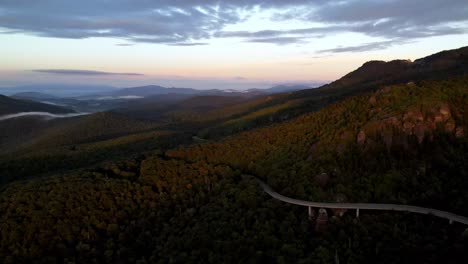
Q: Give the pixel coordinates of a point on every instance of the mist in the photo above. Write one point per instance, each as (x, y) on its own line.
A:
(45, 115)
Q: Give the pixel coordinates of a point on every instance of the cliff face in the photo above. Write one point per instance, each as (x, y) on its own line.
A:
(400, 114)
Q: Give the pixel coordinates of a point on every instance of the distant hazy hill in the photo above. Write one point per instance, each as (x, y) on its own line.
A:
(10, 106)
(33, 96)
(154, 90)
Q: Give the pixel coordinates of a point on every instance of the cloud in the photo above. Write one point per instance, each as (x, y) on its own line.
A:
(277, 40)
(189, 44)
(282, 37)
(195, 22)
(364, 47)
(316, 31)
(85, 72)
(45, 115)
(124, 45)
(159, 21)
(389, 19)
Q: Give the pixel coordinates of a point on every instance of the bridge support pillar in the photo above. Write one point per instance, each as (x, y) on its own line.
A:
(311, 213)
(357, 213)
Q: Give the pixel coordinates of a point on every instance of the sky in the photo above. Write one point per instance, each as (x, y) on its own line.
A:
(206, 44)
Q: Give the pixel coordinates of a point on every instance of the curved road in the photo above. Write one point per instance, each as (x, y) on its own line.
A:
(367, 206)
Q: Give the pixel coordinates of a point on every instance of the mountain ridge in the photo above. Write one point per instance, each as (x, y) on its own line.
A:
(10, 105)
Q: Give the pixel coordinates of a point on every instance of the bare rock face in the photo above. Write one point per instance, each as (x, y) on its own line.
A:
(345, 138)
(459, 132)
(347, 135)
(431, 123)
(383, 90)
(414, 116)
(361, 137)
(445, 111)
(439, 118)
(392, 121)
(408, 127)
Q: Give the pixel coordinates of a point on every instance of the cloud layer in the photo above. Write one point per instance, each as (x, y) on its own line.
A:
(86, 72)
(45, 115)
(192, 23)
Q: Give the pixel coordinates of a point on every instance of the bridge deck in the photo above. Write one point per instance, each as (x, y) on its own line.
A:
(365, 206)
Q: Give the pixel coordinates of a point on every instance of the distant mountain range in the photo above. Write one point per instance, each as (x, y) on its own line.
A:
(103, 98)
(33, 95)
(155, 90)
(90, 92)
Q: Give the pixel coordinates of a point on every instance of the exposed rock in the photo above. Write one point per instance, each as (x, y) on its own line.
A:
(347, 135)
(431, 123)
(439, 118)
(414, 116)
(393, 121)
(408, 127)
(445, 111)
(372, 100)
(383, 90)
(361, 137)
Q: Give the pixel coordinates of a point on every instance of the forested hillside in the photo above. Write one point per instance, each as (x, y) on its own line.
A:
(403, 143)
(74, 143)
(369, 77)
(12, 106)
